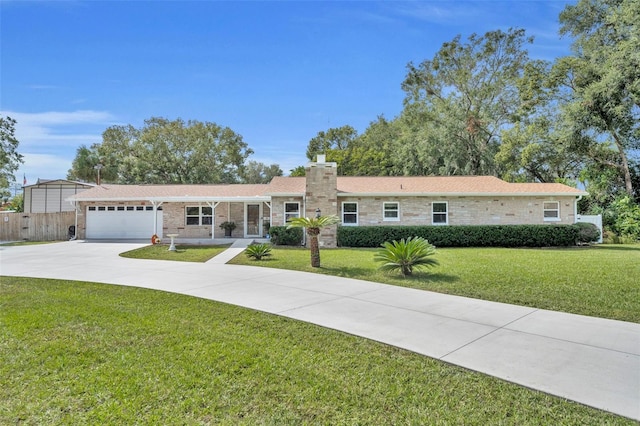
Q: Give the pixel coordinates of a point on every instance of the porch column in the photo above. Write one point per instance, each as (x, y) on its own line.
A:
(155, 205)
(213, 206)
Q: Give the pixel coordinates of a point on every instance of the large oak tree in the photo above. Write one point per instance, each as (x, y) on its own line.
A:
(165, 151)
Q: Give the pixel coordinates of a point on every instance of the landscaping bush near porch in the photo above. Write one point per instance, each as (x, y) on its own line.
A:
(464, 236)
(283, 236)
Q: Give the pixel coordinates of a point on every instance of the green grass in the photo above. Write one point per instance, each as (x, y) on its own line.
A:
(84, 353)
(184, 253)
(598, 281)
(27, 243)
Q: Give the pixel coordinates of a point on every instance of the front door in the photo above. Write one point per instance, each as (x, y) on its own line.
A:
(252, 220)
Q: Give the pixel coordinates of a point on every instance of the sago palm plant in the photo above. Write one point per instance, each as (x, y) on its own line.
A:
(313, 225)
(258, 251)
(406, 255)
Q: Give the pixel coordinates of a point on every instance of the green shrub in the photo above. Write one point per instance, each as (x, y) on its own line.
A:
(282, 236)
(587, 233)
(405, 255)
(258, 251)
(627, 219)
(463, 236)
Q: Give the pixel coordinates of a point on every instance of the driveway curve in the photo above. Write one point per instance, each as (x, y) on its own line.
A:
(590, 360)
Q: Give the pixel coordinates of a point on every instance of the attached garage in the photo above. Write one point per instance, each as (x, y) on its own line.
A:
(123, 222)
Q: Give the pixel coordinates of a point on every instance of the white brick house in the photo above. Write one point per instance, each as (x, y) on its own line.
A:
(195, 211)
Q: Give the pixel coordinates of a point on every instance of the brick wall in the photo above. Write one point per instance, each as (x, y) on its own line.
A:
(322, 192)
(463, 210)
(277, 206)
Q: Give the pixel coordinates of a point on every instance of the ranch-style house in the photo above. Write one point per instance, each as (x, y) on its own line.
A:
(196, 211)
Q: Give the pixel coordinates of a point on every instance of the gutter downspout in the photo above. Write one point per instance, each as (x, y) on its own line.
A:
(575, 208)
(304, 210)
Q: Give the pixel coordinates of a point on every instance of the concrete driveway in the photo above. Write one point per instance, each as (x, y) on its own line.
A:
(589, 360)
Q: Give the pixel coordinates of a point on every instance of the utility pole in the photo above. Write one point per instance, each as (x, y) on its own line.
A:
(98, 167)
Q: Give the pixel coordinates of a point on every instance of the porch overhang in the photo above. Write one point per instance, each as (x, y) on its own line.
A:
(181, 199)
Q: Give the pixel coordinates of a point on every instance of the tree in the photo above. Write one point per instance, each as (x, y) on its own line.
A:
(536, 147)
(313, 225)
(255, 172)
(299, 171)
(338, 138)
(10, 159)
(84, 166)
(372, 153)
(602, 79)
(166, 151)
(17, 203)
(457, 104)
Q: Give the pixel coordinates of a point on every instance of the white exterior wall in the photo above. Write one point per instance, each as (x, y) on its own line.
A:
(50, 197)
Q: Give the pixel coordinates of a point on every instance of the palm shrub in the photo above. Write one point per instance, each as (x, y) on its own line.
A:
(258, 251)
(406, 255)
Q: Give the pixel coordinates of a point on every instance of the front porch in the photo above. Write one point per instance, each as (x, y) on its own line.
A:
(202, 221)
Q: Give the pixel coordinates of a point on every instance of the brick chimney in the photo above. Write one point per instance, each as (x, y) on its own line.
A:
(322, 193)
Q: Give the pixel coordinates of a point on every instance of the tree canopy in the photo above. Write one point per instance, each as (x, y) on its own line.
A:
(480, 105)
(602, 82)
(170, 151)
(10, 159)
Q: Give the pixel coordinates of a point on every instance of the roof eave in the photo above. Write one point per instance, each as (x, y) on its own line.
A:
(181, 199)
(286, 194)
(459, 194)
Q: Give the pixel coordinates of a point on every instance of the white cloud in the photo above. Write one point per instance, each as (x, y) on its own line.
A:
(52, 129)
(49, 140)
(44, 166)
(57, 118)
(436, 12)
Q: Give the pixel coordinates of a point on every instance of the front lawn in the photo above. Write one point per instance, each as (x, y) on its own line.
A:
(85, 353)
(598, 281)
(184, 253)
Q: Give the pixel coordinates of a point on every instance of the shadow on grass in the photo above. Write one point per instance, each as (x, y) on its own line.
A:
(618, 247)
(426, 277)
(348, 271)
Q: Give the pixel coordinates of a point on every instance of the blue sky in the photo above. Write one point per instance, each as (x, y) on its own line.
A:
(275, 72)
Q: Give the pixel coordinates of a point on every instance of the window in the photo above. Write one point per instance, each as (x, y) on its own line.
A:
(291, 210)
(551, 210)
(199, 215)
(349, 213)
(391, 211)
(92, 208)
(440, 213)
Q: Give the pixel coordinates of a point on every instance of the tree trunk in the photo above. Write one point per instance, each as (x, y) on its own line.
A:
(314, 247)
(625, 165)
(315, 252)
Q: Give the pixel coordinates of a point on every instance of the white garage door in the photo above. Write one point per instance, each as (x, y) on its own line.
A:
(122, 222)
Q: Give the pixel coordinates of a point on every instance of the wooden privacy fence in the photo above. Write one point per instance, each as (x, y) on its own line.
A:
(35, 226)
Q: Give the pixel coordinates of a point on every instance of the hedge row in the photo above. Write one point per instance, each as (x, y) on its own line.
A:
(467, 236)
(282, 236)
